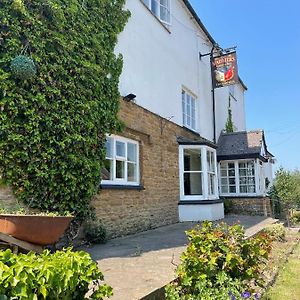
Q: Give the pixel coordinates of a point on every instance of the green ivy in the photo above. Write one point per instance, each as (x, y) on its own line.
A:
(229, 126)
(53, 125)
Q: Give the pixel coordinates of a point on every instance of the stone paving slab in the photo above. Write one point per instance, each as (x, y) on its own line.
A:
(137, 265)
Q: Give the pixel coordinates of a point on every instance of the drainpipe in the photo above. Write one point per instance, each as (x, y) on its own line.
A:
(213, 95)
(211, 55)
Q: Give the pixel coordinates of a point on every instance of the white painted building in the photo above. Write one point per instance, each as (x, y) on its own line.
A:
(161, 47)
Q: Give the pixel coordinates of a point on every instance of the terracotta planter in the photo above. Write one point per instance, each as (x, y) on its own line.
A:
(40, 230)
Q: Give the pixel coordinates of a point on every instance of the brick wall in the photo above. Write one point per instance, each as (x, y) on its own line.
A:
(260, 206)
(129, 211)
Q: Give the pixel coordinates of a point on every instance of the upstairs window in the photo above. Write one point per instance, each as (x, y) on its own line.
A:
(121, 163)
(188, 110)
(160, 8)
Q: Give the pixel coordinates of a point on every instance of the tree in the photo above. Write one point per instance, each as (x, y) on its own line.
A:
(286, 189)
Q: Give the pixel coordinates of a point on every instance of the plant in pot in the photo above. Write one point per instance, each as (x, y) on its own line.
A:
(40, 228)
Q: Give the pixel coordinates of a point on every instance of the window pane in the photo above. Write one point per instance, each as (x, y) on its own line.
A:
(224, 173)
(231, 172)
(120, 149)
(243, 189)
(131, 152)
(193, 184)
(242, 172)
(192, 160)
(251, 189)
(183, 102)
(120, 169)
(224, 181)
(107, 170)
(193, 124)
(210, 162)
(164, 14)
(232, 189)
(211, 184)
(242, 165)
(232, 181)
(231, 165)
(108, 147)
(154, 7)
(224, 189)
(132, 172)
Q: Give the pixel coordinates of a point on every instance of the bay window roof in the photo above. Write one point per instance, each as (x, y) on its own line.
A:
(241, 145)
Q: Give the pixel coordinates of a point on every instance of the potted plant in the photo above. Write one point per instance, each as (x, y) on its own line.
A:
(34, 227)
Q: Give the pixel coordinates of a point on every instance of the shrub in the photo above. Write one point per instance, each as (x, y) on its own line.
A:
(276, 232)
(95, 232)
(219, 261)
(228, 206)
(63, 275)
(295, 219)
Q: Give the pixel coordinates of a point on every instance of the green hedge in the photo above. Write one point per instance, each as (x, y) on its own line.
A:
(219, 263)
(54, 114)
(63, 275)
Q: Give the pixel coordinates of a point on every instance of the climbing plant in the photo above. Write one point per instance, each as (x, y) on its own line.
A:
(55, 113)
(229, 126)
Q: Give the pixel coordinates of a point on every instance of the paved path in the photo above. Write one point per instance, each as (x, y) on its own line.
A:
(139, 264)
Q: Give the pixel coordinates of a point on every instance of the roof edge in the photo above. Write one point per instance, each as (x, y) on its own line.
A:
(211, 39)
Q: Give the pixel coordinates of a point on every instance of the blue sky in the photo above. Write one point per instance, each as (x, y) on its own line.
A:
(267, 34)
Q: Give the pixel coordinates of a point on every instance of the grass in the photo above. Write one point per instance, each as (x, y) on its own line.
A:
(287, 285)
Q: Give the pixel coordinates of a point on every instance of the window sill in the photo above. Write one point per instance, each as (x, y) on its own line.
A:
(157, 19)
(190, 129)
(241, 196)
(121, 187)
(203, 202)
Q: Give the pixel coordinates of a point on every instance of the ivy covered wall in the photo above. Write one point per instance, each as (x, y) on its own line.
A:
(54, 116)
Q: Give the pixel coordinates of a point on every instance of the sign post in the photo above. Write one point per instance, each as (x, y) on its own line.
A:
(224, 72)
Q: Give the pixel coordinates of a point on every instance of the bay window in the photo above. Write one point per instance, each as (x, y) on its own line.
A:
(121, 165)
(197, 172)
(237, 177)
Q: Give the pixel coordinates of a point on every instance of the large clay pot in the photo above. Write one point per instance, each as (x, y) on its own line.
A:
(40, 230)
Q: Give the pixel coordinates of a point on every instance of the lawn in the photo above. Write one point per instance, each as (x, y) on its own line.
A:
(287, 285)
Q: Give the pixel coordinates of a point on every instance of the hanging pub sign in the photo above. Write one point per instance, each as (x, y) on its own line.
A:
(224, 70)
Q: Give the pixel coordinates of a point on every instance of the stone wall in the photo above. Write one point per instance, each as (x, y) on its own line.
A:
(128, 211)
(7, 199)
(260, 206)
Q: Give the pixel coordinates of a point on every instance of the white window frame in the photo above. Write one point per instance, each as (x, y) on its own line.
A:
(237, 178)
(189, 109)
(227, 177)
(114, 158)
(211, 172)
(157, 14)
(205, 182)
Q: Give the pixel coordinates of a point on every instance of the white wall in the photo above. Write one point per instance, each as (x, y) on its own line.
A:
(237, 108)
(157, 63)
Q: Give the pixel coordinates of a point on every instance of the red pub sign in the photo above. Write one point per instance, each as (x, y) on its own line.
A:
(224, 70)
